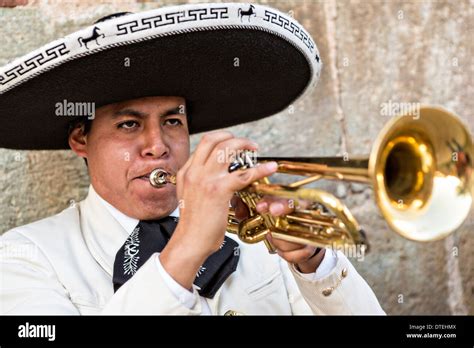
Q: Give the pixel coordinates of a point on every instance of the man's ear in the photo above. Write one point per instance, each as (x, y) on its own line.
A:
(78, 141)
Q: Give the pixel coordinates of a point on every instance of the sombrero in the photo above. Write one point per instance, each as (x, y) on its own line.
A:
(232, 62)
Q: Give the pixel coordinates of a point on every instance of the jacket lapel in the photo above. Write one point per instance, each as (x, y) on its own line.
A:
(221, 294)
(102, 233)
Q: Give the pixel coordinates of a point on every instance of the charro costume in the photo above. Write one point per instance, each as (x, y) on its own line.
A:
(233, 63)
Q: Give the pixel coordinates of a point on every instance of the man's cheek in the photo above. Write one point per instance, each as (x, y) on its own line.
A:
(122, 154)
(125, 155)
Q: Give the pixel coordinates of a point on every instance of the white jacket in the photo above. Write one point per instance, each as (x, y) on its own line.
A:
(64, 264)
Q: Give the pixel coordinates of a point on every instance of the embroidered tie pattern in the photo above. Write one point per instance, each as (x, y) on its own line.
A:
(152, 236)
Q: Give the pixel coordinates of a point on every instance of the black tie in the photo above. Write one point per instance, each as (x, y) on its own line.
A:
(151, 236)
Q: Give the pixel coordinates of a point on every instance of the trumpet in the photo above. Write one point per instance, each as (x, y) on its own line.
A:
(420, 169)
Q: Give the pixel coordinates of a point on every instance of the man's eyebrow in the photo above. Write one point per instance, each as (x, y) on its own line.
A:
(132, 112)
(179, 110)
(129, 112)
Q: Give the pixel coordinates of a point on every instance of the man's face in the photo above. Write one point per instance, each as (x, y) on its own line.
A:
(126, 142)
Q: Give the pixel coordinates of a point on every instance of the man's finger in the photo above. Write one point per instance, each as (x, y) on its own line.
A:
(297, 256)
(276, 206)
(225, 151)
(262, 207)
(283, 245)
(188, 163)
(280, 208)
(208, 143)
(180, 176)
(243, 178)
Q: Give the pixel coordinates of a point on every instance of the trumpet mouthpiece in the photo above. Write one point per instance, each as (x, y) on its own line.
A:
(160, 177)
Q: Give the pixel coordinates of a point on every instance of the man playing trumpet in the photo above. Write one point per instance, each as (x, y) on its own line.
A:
(132, 248)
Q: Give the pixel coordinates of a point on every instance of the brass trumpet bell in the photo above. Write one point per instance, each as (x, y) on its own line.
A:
(422, 173)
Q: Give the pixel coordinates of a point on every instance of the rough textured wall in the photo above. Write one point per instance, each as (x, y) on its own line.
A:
(373, 53)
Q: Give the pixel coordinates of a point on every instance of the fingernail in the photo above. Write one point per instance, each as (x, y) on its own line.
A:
(262, 206)
(271, 166)
(276, 208)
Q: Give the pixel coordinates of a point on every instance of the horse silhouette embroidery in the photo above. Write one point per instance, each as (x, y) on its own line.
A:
(250, 12)
(95, 35)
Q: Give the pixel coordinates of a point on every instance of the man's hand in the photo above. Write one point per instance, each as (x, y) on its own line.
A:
(301, 255)
(204, 188)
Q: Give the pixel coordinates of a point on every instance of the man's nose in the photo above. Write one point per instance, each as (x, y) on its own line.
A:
(154, 144)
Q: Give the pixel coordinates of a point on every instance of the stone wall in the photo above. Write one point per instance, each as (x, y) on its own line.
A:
(373, 53)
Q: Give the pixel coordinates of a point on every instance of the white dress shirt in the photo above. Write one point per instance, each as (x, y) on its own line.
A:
(185, 296)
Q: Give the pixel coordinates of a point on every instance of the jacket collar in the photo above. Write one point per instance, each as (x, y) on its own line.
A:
(127, 222)
(105, 228)
(103, 234)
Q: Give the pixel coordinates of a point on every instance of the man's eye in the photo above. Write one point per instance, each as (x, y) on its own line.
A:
(173, 121)
(128, 124)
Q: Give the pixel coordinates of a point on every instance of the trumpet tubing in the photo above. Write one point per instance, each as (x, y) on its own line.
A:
(421, 171)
